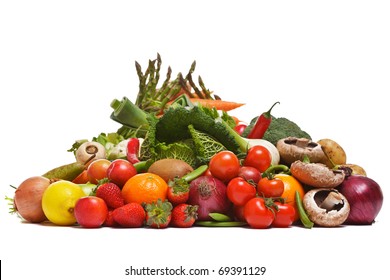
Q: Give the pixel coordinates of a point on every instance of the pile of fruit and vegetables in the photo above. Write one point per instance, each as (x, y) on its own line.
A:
(181, 159)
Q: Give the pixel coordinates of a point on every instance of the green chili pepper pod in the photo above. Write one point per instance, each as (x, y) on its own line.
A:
(65, 172)
(302, 213)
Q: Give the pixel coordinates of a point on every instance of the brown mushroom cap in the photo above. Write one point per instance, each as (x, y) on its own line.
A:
(293, 148)
(326, 207)
(316, 175)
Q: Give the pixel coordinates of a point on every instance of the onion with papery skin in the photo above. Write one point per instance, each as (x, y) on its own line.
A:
(28, 199)
(209, 193)
(365, 198)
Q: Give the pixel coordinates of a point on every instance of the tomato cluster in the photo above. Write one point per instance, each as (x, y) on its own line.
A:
(255, 195)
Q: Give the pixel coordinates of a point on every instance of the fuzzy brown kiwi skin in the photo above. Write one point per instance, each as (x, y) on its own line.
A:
(168, 169)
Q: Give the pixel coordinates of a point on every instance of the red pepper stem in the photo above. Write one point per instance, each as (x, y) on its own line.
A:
(268, 113)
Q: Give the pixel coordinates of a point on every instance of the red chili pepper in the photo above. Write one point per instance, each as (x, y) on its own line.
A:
(132, 150)
(261, 125)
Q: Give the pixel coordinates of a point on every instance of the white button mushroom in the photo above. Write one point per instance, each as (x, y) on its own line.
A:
(90, 151)
(326, 207)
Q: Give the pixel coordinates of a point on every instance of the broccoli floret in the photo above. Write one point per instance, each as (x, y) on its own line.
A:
(279, 128)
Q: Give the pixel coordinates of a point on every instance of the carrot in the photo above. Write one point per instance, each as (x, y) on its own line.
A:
(217, 104)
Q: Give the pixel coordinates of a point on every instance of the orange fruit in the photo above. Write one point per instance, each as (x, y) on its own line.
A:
(290, 186)
(145, 188)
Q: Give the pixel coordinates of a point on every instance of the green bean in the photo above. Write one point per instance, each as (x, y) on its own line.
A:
(220, 224)
(302, 213)
(195, 173)
(219, 217)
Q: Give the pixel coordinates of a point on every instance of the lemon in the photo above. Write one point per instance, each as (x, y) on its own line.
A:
(58, 202)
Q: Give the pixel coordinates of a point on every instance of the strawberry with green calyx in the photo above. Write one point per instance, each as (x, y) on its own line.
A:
(110, 193)
(131, 215)
(179, 188)
(158, 214)
(178, 191)
(184, 215)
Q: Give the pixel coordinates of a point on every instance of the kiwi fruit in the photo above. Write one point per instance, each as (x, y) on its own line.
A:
(170, 168)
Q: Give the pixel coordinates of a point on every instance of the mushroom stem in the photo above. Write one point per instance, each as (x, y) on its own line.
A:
(302, 142)
(332, 199)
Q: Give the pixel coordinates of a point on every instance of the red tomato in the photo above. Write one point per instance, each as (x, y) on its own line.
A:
(250, 173)
(258, 157)
(284, 215)
(270, 187)
(240, 191)
(257, 214)
(224, 165)
(239, 213)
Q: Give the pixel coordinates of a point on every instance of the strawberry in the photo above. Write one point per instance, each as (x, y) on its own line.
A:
(130, 215)
(184, 215)
(110, 222)
(158, 214)
(178, 191)
(111, 194)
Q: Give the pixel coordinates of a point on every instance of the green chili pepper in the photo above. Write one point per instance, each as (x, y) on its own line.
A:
(302, 213)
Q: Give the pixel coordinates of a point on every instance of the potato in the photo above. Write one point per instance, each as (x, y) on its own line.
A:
(356, 169)
(334, 152)
(170, 168)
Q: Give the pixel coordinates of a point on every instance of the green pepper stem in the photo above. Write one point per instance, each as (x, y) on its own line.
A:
(277, 168)
(268, 113)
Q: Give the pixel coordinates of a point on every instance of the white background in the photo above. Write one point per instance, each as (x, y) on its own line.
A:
(62, 62)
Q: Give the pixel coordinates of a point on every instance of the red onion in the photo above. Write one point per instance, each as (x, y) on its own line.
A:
(28, 199)
(365, 198)
(209, 193)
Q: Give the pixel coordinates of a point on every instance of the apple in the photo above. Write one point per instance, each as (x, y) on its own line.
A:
(119, 171)
(97, 170)
(90, 211)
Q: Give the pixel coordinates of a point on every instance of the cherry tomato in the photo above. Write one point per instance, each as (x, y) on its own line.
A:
(270, 187)
(224, 165)
(258, 157)
(239, 128)
(239, 191)
(284, 215)
(250, 173)
(257, 214)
